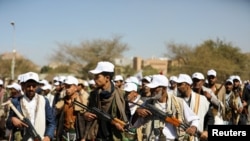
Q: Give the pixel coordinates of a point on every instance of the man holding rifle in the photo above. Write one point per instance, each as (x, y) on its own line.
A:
(167, 128)
(71, 123)
(108, 99)
(31, 114)
(132, 96)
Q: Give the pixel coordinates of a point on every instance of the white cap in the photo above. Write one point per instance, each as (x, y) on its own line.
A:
(118, 77)
(44, 82)
(57, 83)
(21, 78)
(237, 77)
(31, 76)
(158, 80)
(91, 82)
(132, 79)
(128, 87)
(85, 83)
(198, 75)
(184, 78)
(56, 78)
(46, 87)
(71, 80)
(1, 82)
(15, 86)
(230, 80)
(61, 79)
(173, 78)
(211, 72)
(103, 67)
(147, 78)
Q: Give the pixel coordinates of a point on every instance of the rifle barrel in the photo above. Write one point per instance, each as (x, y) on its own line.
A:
(101, 113)
(80, 104)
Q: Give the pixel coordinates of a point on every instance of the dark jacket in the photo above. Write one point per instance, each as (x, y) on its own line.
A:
(79, 124)
(112, 102)
(246, 94)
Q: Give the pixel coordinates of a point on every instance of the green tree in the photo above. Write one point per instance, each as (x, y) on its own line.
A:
(46, 69)
(225, 58)
(22, 65)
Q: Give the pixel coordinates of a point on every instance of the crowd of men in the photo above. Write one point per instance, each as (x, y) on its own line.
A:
(114, 108)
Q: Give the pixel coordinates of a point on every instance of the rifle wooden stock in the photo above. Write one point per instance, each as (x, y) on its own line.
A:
(9, 103)
(120, 122)
(173, 121)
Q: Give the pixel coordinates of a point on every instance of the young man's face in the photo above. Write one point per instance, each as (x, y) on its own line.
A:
(58, 88)
(130, 96)
(13, 92)
(156, 91)
(30, 88)
(79, 87)
(236, 83)
(45, 92)
(101, 80)
(229, 86)
(197, 83)
(173, 84)
(118, 83)
(182, 88)
(70, 89)
(211, 79)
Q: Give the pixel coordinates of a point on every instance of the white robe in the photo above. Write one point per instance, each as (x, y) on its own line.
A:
(34, 110)
(202, 110)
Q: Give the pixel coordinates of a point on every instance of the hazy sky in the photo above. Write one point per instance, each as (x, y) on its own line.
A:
(145, 25)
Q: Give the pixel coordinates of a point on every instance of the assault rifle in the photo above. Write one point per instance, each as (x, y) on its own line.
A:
(166, 117)
(30, 131)
(103, 115)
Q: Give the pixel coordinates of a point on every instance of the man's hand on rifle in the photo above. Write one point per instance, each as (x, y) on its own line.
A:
(18, 123)
(143, 112)
(89, 116)
(118, 126)
(191, 130)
